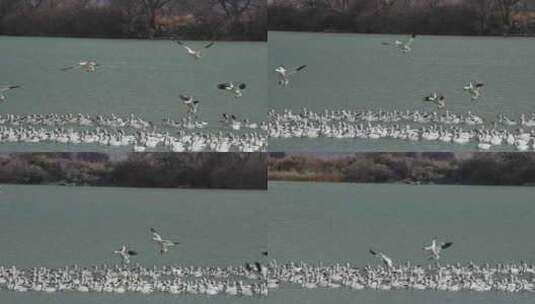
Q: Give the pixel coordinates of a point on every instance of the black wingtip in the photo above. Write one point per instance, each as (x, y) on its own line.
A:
(373, 252)
(258, 266)
(132, 252)
(242, 86)
(222, 86)
(265, 253)
(447, 245)
(301, 67)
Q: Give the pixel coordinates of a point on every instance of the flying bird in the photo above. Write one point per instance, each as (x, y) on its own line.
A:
(285, 73)
(438, 100)
(125, 254)
(405, 47)
(474, 89)
(192, 52)
(434, 249)
(233, 87)
(191, 103)
(4, 89)
(164, 244)
(88, 66)
(386, 260)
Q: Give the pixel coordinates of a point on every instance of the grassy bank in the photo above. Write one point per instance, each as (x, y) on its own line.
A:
(412, 168)
(162, 170)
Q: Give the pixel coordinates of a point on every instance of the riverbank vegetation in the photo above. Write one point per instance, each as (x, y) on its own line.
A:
(433, 17)
(181, 19)
(162, 170)
(411, 168)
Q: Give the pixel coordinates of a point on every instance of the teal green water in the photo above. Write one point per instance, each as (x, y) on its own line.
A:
(338, 223)
(312, 222)
(349, 71)
(137, 76)
(54, 226)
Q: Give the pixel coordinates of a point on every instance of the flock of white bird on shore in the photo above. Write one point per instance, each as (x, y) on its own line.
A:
(133, 132)
(256, 279)
(414, 126)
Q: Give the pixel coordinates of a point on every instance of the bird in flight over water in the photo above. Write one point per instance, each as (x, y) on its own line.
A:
(164, 244)
(438, 100)
(474, 89)
(285, 73)
(197, 54)
(191, 103)
(434, 249)
(125, 254)
(4, 89)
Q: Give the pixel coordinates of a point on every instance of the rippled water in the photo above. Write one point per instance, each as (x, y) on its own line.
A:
(347, 71)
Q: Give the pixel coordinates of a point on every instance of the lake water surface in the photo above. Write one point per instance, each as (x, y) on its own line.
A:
(357, 72)
(338, 223)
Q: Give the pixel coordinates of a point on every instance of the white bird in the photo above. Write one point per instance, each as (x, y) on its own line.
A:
(87, 65)
(164, 244)
(233, 87)
(435, 249)
(192, 52)
(474, 89)
(404, 47)
(386, 260)
(125, 254)
(4, 89)
(191, 103)
(438, 100)
(284, 74)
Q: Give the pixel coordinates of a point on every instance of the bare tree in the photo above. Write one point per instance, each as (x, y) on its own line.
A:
(234, 9)
(505, 11)
(152, 7)
(483, 10)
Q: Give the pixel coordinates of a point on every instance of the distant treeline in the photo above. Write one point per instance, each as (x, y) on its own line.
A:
(433, 17)
(414, 168)
(183, 19)
(162, 170)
